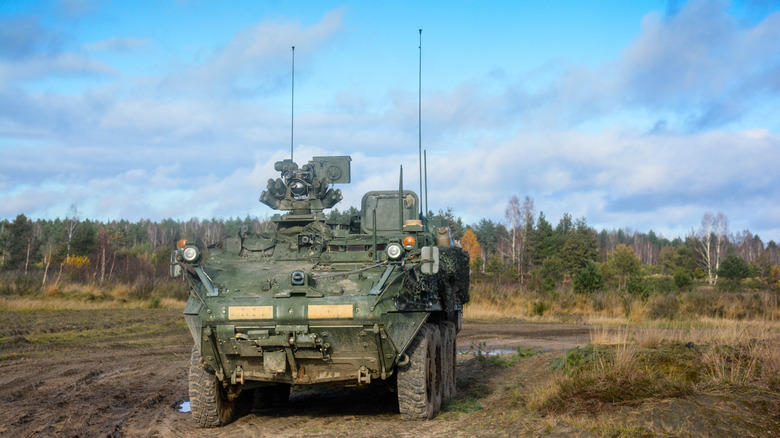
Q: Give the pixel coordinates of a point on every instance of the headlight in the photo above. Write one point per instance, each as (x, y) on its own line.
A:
(394, 251)
(190, 254)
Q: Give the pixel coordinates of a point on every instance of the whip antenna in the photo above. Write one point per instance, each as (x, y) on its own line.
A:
(425, 159)
(292, 106)
(419, 122)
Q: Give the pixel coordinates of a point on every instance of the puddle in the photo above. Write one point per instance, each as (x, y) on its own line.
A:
(498, 351)
(184, 406)
(487, 351)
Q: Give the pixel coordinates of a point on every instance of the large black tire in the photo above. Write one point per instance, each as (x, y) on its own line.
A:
(450, 360)
(419, 381)
(208, 400)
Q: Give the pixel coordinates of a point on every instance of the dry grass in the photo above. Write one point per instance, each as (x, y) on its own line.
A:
(629, 365)
(23, 304)
(703, 331)
(144, 293)
(492, 301)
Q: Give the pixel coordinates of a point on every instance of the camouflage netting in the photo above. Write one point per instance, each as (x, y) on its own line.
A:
(450, 285)
(419, 287)
(453, 276)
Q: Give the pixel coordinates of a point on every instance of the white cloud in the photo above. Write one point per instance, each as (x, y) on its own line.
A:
(646, 141)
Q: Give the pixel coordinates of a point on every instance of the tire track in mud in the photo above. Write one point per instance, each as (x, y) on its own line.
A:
(131, 386)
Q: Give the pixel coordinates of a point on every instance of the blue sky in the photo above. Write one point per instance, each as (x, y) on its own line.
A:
(631, 114)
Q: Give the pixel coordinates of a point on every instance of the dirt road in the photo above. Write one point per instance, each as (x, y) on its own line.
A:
(124, 373)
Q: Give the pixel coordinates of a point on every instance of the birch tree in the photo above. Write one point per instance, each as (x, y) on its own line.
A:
(71, 221)
(33, 241)
(513, 217)
(712, 243)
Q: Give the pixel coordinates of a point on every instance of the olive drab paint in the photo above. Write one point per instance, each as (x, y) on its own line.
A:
(346, 302)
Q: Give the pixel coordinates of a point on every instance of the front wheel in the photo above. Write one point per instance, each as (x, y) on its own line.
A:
(208, 399)
(419, 381)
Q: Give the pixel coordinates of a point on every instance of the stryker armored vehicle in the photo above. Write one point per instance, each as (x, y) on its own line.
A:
(374, 297)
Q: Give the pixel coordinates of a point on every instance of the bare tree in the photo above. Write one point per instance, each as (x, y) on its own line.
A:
(33, 240)
(264, 226)
(71, 221)
(748, 246)
(213, 232)
(527, 217)
(3, 242)
(104, 242)
(713, 240)
(153, 233)
(191, 227)
(47, 261)
(513, 217)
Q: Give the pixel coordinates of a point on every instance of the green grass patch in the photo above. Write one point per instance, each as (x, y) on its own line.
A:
(102, 334)
(490, 357)
(466, 404)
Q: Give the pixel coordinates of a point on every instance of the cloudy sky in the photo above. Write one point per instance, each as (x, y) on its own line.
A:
(631, 114)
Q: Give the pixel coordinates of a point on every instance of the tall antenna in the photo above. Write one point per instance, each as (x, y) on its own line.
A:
(419, 122)
(292, 106)
(425, 159)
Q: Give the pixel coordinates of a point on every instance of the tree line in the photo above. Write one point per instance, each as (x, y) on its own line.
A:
(525, 248)
(92, 251)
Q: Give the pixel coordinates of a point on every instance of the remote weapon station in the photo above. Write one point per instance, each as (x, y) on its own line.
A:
(371, 297)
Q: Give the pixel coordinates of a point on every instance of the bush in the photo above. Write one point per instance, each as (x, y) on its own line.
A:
(662, 284)
(589, 279)
(171, 289)
(664, 306)
(142, 288)
(637, 287)
(733, 269)
(540, 307)
(599, 301)
(683, 279)
(702, 303)
(15, 283)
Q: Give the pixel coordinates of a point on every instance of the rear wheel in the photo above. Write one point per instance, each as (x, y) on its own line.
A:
(419, 381)
(450, 358)
(208, 399)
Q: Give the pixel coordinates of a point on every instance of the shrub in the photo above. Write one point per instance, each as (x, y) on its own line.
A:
(702, 303)
(662, 284)
(142, 288)
(598, 301)
(595, 376)
(733, 269)
(664, 306)
(589, 279)
(683, 279)
(637, 287)
(540, 307)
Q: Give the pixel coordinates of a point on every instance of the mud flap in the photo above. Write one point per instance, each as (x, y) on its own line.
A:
(403, 327)
(192, 318)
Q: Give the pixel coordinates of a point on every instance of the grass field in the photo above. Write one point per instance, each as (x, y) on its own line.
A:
(700, 363)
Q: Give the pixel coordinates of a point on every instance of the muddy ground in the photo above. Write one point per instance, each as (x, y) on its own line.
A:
(124, 373)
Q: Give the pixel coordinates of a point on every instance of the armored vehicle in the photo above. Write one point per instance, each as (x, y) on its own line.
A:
(374, 297)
